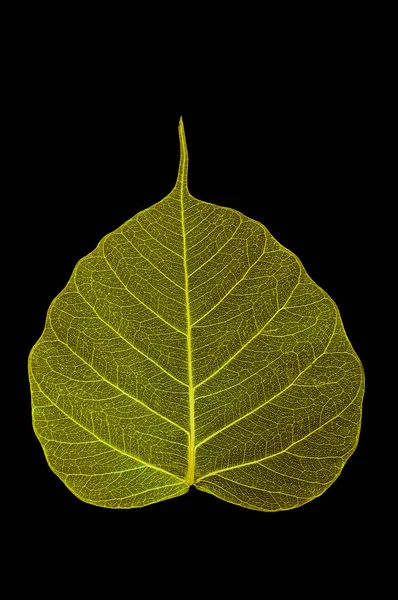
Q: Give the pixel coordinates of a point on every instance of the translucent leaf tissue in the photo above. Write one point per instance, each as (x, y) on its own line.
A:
(191, 348)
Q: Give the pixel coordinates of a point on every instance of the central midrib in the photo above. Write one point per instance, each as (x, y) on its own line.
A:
(191, 391)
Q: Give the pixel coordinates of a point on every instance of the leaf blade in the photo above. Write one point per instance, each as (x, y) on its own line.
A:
(194, 349)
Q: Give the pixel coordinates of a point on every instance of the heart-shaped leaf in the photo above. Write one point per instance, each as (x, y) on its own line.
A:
(191, 348)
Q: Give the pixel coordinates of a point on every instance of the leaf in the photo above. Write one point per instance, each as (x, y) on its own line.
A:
(191, 348)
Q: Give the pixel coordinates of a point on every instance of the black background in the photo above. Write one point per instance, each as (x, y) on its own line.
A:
(97, 149)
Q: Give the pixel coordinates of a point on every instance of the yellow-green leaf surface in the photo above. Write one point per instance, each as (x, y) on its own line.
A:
(191, 348)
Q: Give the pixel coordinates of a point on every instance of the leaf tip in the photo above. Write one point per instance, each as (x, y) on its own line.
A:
(183, 168)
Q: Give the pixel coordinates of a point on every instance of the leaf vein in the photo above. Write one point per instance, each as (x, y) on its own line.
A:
(136, 297)
(291, 384)
(156, 240)
(218, 251)
(252, 487)
(232, 288)
(251, 339)
(123, 392)
(155, 467)
(150, 262)
(252, 462)
(128, 341)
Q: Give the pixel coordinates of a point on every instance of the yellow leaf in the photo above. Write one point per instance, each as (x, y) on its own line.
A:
(191, 348)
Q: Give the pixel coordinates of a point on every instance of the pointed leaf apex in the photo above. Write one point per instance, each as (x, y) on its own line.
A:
(183, 167)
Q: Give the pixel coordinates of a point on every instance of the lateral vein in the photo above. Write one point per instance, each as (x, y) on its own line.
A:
(291, 445)
(251, 339)
(156, 240)
(136, 297)
(291, 384)
(218, 251)
(231, 289)
(150, 262)
(126, 340)
(123, 392)
(103, 441)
